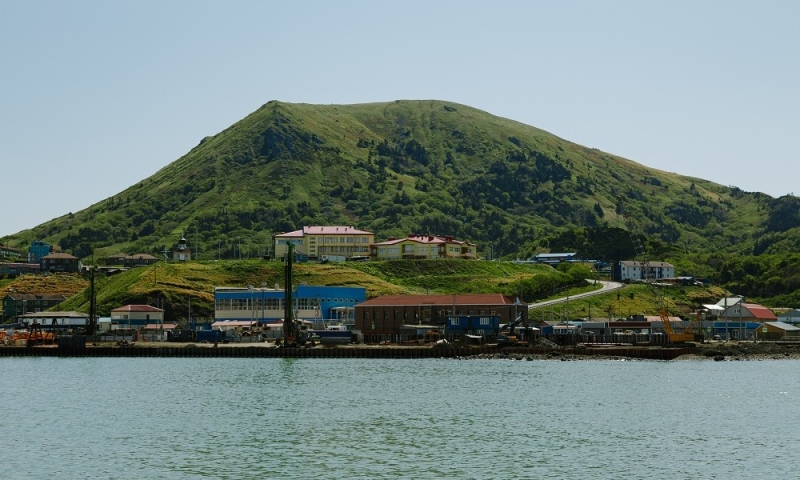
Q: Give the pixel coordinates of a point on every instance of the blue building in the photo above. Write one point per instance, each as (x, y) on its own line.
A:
(315, 304)
(472, 324)
(735, 329)
(37, 250)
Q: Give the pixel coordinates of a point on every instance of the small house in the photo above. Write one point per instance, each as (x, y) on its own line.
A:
(135, 316)
(775, 331)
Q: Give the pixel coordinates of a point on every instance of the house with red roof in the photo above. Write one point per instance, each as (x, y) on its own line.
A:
(325, 242)
(747, 312)
(418, 246)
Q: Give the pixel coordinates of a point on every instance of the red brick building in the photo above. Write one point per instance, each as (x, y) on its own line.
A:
(387, 314)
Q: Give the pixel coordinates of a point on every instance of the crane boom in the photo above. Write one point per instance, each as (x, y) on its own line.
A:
(648, 277)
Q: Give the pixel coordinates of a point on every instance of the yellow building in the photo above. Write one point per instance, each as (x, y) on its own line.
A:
(326, 243)
(423, 247)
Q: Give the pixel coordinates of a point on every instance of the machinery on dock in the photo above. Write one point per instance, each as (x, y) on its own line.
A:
(507, 334)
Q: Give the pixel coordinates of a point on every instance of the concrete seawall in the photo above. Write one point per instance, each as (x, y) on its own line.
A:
(340, 352)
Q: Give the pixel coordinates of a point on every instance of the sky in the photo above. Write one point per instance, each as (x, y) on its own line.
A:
(96, 96)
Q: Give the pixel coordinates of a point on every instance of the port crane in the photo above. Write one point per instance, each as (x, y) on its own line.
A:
(293, 335)
(647, 274)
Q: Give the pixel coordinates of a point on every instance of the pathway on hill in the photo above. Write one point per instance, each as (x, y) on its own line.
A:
(607, 287)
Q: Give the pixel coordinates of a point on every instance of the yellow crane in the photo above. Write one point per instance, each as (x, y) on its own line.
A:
(647, 273)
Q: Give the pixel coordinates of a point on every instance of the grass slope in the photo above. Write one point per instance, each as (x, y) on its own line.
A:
(177, 287)
(393, 168)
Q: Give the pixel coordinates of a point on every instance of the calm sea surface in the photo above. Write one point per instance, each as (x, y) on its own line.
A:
(379, 418)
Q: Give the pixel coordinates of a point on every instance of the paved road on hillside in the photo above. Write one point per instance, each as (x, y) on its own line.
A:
(607, 287)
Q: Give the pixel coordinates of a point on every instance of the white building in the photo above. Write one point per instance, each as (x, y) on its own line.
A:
(631, 270)
(791, 317)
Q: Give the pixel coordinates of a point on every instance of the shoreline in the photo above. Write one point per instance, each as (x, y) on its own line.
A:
(542, 350)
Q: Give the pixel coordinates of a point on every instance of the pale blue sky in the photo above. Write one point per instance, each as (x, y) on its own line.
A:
(98, 95)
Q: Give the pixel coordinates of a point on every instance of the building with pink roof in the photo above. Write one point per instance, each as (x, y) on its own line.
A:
(326, 242)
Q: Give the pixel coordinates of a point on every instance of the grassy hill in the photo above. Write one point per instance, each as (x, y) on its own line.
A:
(409, 166)
(434, 167)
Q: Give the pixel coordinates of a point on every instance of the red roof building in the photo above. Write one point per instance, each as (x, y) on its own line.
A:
(423, 247)
(388, 313)
(749, 312)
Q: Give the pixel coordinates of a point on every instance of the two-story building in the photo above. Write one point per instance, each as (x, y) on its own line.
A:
(314, 304)
(331, 243)
(17, 304)
(423, 247)
(8, 252)
(60, 262)
(632, 271)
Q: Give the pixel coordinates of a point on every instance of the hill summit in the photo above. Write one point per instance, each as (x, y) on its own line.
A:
(431, 167)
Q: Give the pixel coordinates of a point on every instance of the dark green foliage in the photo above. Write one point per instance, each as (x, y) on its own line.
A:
(784, 213)
(763, 277)
(599, 243)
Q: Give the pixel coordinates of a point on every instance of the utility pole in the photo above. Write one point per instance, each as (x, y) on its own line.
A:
(288, 322)
(90, 330)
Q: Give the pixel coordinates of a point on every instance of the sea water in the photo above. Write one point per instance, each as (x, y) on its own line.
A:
(175, 418)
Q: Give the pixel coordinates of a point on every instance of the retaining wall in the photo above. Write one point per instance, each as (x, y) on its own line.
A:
(336, 352)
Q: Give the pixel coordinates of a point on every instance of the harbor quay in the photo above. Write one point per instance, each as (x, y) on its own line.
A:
(350, 351)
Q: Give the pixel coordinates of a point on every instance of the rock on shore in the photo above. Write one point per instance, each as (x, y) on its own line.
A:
(745, 351)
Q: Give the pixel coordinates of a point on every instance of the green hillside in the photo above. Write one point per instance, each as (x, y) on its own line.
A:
(409, 166)
(183, 287)
(177, 287)
(432, 167)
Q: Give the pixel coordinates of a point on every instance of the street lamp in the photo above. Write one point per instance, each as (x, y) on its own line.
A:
(741, 332)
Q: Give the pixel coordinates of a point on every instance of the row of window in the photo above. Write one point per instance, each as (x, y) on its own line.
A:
(312, 240)
(341, 249)
(441, 314)
(250, 304)
(482, 321)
